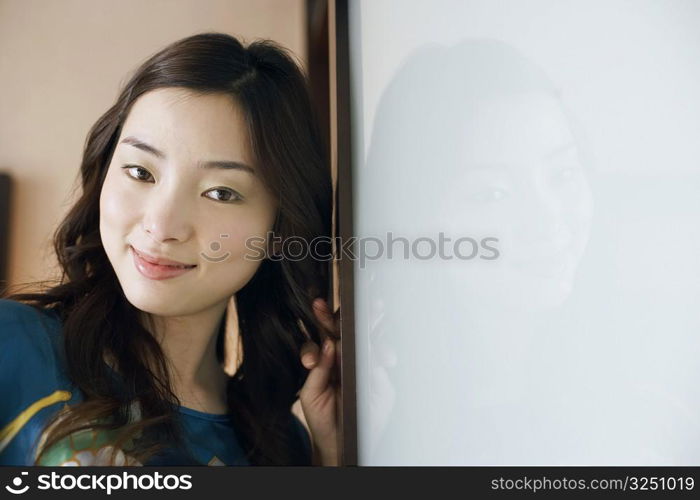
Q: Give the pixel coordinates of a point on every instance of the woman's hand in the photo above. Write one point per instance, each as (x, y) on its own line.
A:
(320, 393)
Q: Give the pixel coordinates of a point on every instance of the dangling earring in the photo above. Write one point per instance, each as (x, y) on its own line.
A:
(233, 347)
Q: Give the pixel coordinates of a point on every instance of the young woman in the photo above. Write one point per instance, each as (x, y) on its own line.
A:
(209, 149)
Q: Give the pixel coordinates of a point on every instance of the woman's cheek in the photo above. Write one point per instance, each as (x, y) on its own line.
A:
(245, 232)
(112, 205)
(235, 270)
(116, 195)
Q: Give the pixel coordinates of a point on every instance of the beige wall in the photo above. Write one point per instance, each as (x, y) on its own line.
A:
(61, 65)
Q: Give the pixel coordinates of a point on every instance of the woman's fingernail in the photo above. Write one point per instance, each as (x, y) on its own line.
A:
(327, 346)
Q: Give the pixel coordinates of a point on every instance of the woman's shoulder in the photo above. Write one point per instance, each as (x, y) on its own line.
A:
(27, 331)
(19, 313)
(33, 383)
(30, 347)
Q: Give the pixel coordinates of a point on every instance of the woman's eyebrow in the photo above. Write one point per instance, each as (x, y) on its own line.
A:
(225, 165)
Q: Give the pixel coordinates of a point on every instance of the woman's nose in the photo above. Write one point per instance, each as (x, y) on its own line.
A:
(541, 220)
(167, 218)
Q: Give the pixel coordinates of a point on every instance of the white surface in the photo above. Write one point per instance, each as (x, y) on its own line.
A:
(569, 131)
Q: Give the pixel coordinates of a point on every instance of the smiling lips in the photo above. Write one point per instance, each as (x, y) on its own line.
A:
(158, 269)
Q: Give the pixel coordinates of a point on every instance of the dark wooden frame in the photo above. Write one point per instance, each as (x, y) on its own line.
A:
(345, 231)
(326, 18)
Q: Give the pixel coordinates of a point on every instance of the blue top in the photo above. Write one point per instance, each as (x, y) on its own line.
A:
(34, 386)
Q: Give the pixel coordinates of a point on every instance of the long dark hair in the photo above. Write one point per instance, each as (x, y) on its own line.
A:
(274, 307)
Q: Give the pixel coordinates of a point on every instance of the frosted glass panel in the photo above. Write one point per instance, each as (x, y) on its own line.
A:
(527, 187)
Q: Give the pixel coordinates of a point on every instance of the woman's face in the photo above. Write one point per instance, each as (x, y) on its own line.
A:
(521, 180)
(181, 186)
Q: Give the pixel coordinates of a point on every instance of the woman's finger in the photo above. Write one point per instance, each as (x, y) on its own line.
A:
(323, 314)
(317, 380)
(309, 355)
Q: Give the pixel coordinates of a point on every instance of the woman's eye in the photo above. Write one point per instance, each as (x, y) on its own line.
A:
(137, 173)
(219, 194)
(223, 195)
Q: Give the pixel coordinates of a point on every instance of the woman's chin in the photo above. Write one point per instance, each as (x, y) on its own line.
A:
(159, 305)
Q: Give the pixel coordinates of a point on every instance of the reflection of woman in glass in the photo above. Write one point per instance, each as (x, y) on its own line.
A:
(489, 129)
(486, 129)
(209, 144)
